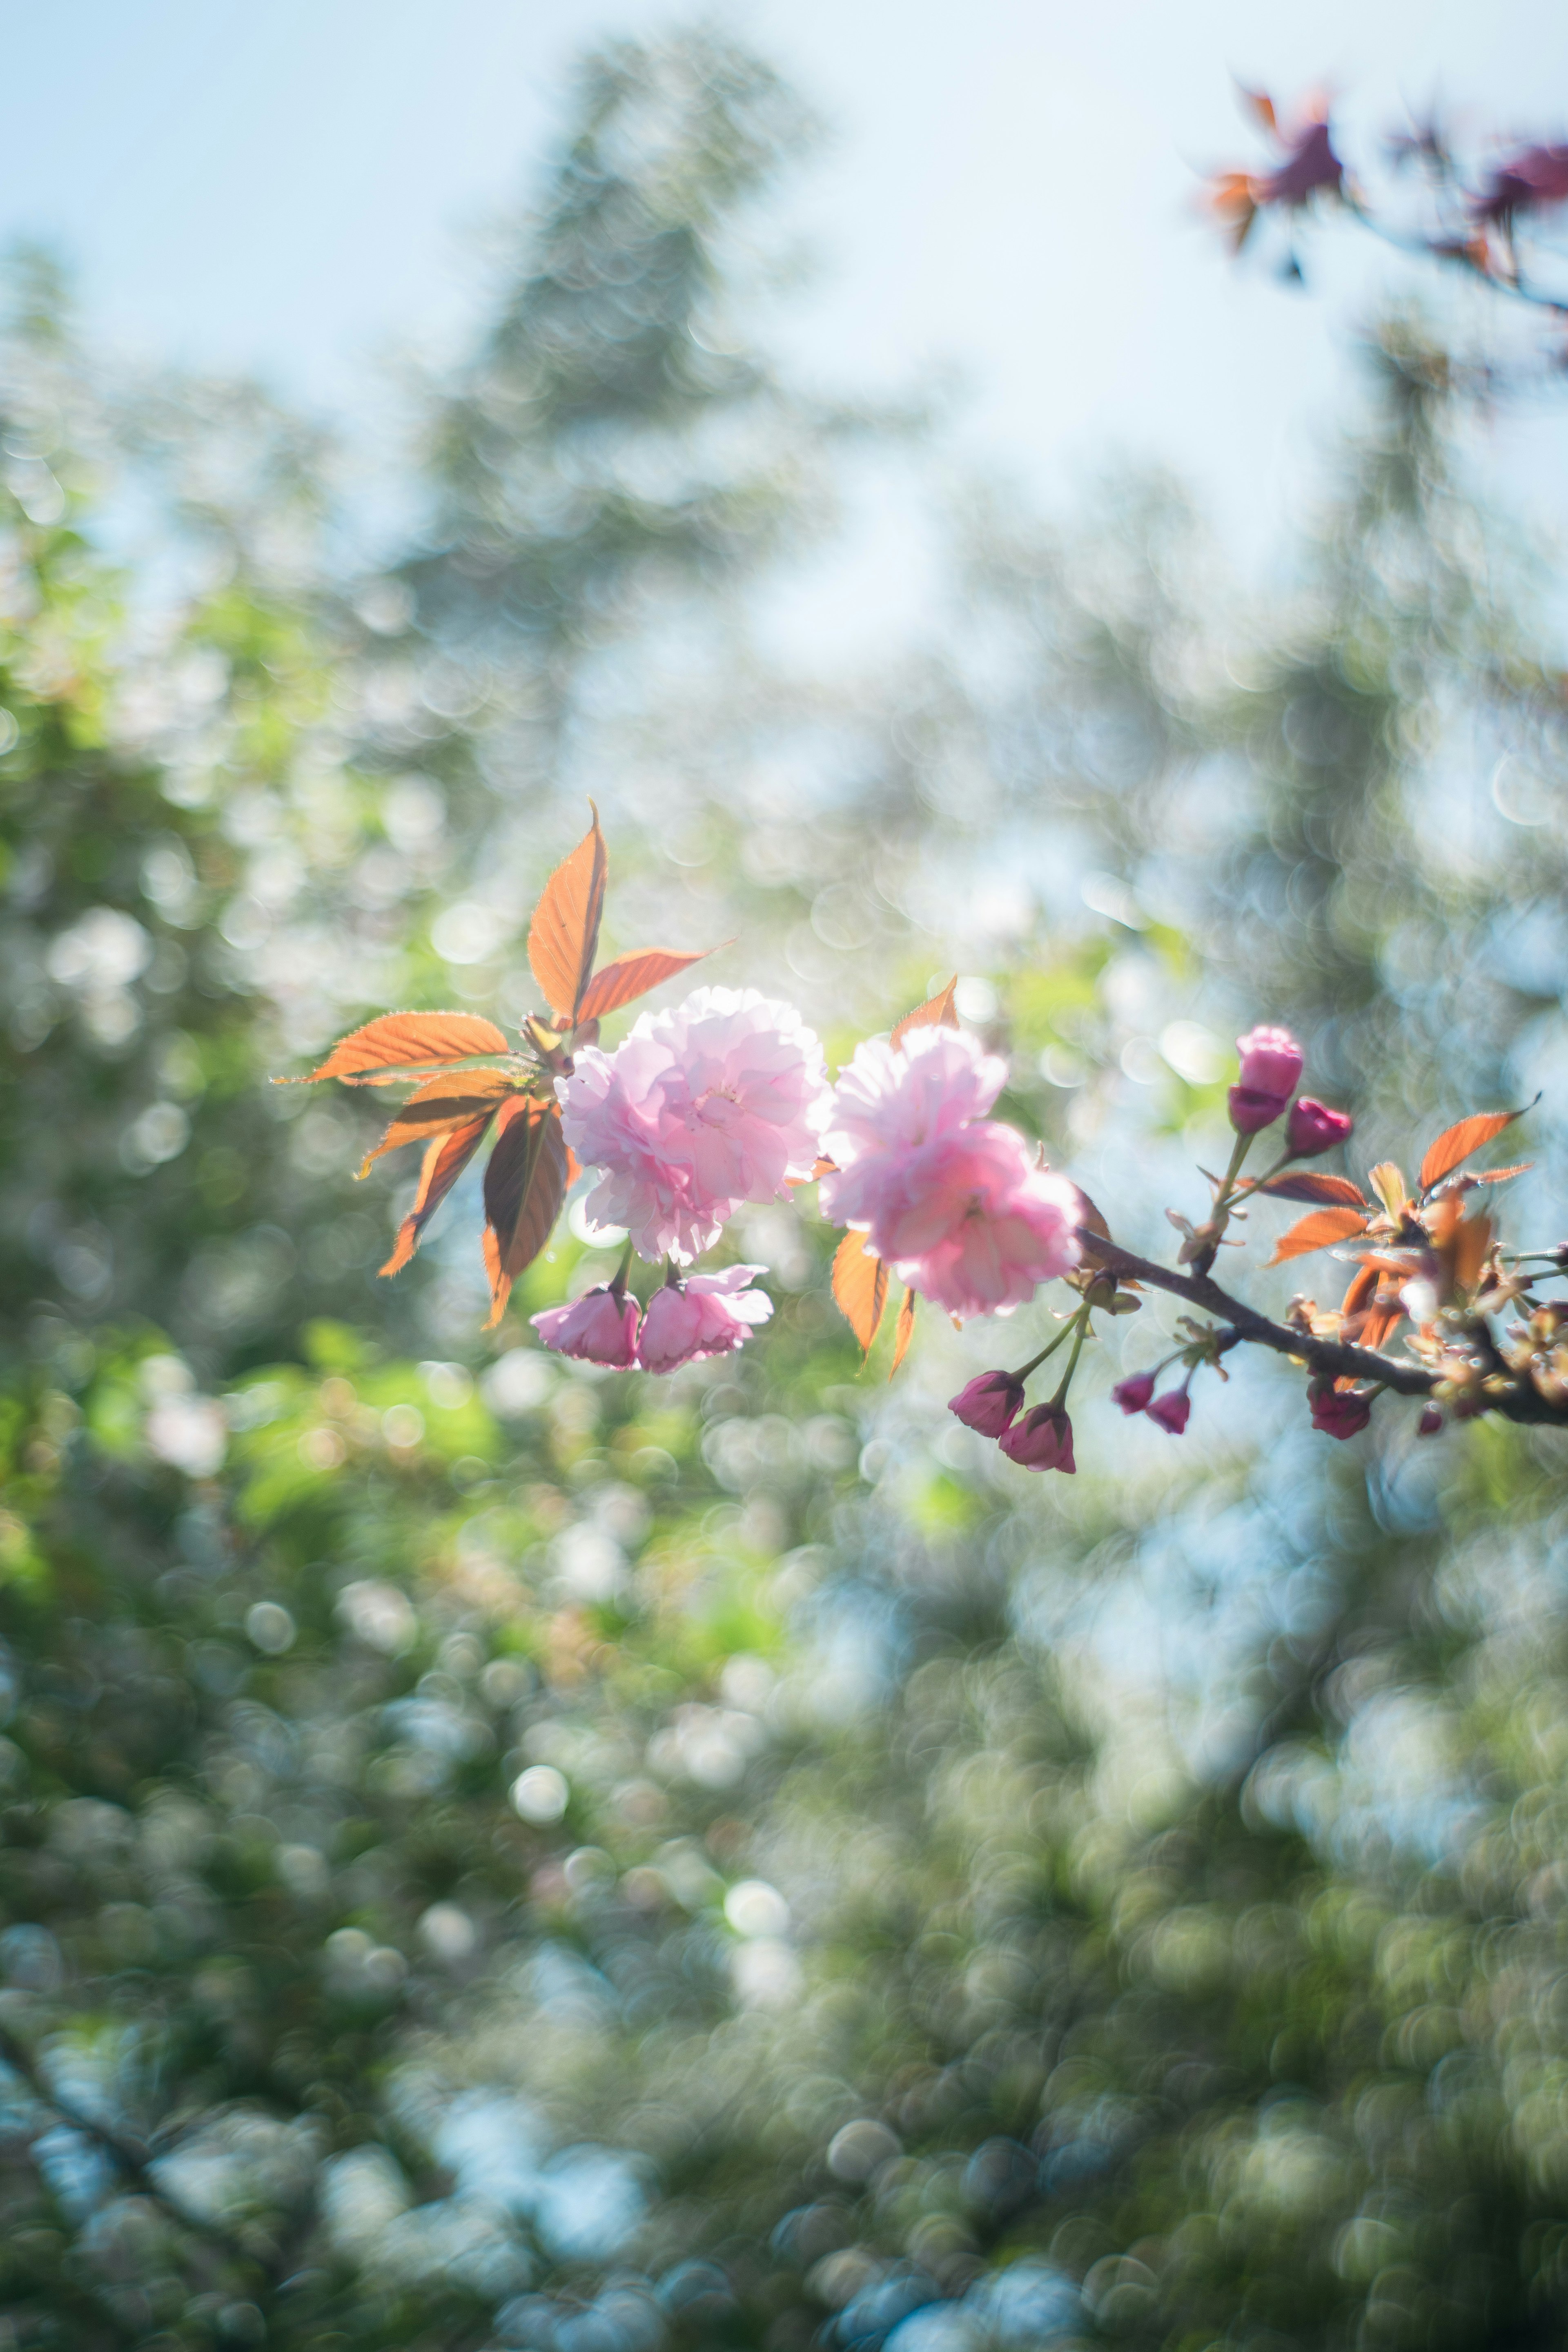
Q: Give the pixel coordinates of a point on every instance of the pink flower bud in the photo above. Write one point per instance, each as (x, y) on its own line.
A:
(1133, 1394)
(598, 1328)
(1042, 1440)
(1339, 1412)
(1171, 1411)
(1251, 1110)
(990, 1403)
(1314, 1128)
(1431, 1420)
(1270, 1062)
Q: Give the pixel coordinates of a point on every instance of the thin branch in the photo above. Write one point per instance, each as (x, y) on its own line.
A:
(132, 2156)
(1332, 1358)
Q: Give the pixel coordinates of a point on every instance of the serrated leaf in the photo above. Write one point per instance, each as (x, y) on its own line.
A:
(860, 1289)
(902, 1332)
(1311, 1184)
(1502, 1175)
(525, 1184)
(444, 1161)
(936, 1012)
(564, 934)
(442, 1104)
(1317, 1232)
(630, 976)
(404, 1044)
(1456, 1143)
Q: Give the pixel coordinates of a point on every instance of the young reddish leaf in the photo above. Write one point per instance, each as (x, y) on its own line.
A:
(1260, 103)
(1309, 1184)
(860, 1289)
(1388, 1182)
(1456, 1143)
(564, 933)
(399, 1044)
(902, 1332)
(936, 1012)
(630, 976)
(823, 1168)
(444, 1161)
(525, 1184)
(442, 1104)
(1471, 1243)
(1091, 1219)
(1316, 1232)
(1502, 1175)
(1379, 1323)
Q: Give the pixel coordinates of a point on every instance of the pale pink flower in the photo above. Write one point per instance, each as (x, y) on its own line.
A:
(598, 1328)
(886, 1100)
(969, 1219)
(707, 1315)
(716, 1102)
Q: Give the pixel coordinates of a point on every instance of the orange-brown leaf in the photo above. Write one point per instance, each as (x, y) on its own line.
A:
(1260, 103)
(1316, 1232)
(1502, 1175)
(1093, 1221)
(564, 933)
(525, 1184)
(444, 1161)
(936, 1012)
(399, 1044)
(630, 976)
(442, 1104)
(1311, 1184)
(860, 1289)
(902, 1332)
(1471, 1243)
(1456, 1143)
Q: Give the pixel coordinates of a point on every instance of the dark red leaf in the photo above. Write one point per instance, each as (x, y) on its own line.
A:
(1311, 1184)
(444, 1161)
(442, 1104)
(525, 1184)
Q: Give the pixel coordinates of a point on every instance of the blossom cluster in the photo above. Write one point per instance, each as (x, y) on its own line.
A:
(684, 1322)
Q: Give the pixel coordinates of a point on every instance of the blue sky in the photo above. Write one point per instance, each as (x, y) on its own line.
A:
(1008, 190)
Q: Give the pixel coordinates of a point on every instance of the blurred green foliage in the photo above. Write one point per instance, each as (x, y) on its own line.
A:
(495, 1855)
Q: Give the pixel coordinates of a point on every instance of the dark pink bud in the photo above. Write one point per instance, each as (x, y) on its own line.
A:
(1171, 1411)
(1430, 1422)
(1042, 1440)
(1270, 1062)
(1314, 1128)
(1339, 1412)
(1133, 1394)
(1251, 1110)
(990, 1403)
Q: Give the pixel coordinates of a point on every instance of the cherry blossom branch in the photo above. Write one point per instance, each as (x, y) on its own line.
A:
(1333, 1359)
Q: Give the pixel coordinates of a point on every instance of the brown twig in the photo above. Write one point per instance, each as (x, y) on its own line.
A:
(1332, 1358)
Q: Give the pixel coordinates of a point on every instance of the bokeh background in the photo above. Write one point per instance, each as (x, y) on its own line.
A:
(496, 1854)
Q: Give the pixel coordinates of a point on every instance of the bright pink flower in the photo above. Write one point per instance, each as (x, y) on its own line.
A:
(1133, 1394)
(1042, 1440)
(1250, 1110)
(1339, 1412)
(1270, 1062)
(1314, 1128)
(698, 1109)
(1173, 1410)
(598, 1328)
(886, 1102)
(707, 1315)
(969, 1219)
(989, 1402)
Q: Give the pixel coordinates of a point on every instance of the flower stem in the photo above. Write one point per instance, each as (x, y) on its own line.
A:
(1065, 1333)
(1082, 1319)
(618, 1280)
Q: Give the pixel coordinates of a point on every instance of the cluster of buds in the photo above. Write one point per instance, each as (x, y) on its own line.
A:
(1271, 1064)
(687, 1320)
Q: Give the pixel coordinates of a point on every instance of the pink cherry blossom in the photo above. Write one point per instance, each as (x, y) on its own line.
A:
(969, 1219)
(1314, 1127)
(888, 1099)
(598, 1328)
(1173, 1410)
(707, 1315)
(716, 1102)
(1133, 1394)
(1339, 1412)
(1042, 1440)
(1270, 1062)
(989, 1402)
